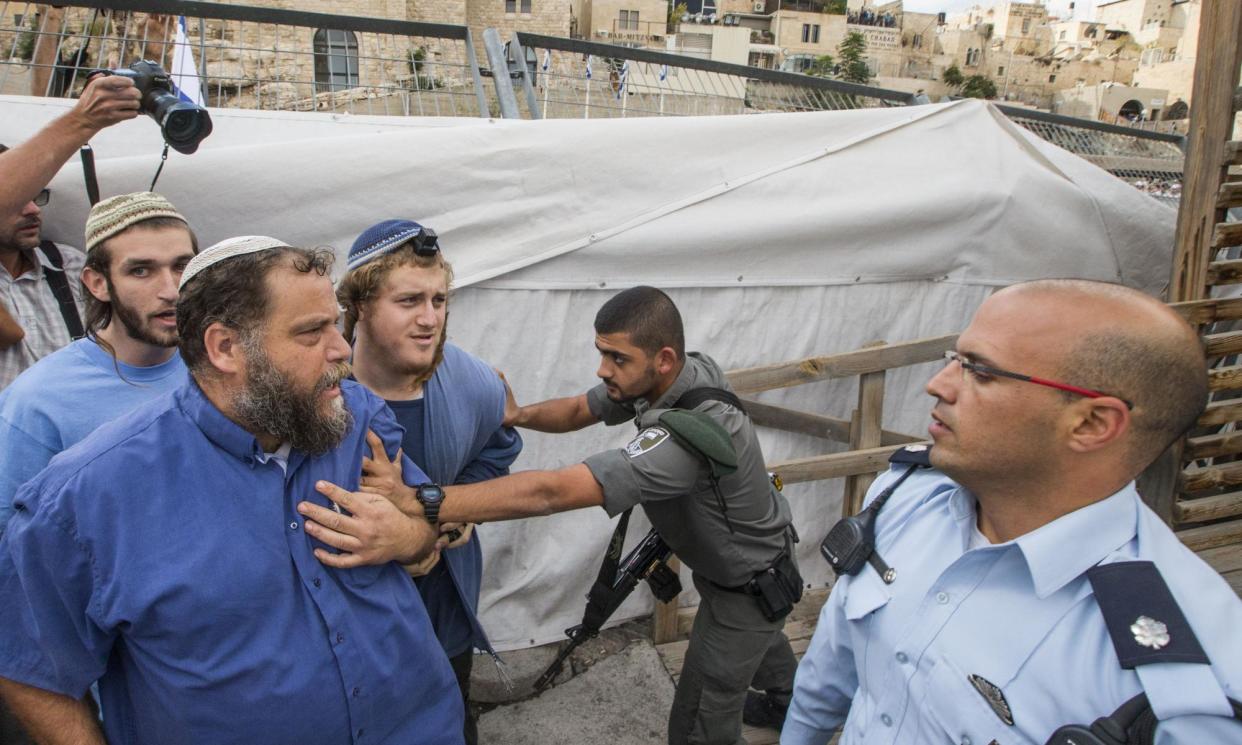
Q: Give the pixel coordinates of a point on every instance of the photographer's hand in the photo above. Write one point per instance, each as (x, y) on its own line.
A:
(106, 100)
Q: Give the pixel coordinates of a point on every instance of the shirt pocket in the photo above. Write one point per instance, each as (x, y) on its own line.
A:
(962, 713)
(865, 594)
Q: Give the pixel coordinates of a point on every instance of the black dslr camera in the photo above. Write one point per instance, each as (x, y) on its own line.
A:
(183, 124)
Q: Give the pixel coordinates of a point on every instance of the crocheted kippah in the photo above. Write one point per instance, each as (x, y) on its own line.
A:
(380, 239)
(115, 214)
(227, 249)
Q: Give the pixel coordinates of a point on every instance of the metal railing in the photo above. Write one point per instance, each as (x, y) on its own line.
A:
(1149, 161)
(260, 58)
(570, 78)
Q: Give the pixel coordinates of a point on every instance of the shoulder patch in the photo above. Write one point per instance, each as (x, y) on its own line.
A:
(1144, 621)
(647, 440)
(914, 455)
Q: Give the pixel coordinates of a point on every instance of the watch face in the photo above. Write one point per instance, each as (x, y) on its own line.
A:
(430, 493)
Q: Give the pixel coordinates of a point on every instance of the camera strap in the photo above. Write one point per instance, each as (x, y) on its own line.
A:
(58, 283)
(158, 171)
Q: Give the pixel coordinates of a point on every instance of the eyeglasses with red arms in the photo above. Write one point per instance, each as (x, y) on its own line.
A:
(982, 370)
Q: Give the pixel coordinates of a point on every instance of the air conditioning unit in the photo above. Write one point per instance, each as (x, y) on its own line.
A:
(602, 33)
(758, 6)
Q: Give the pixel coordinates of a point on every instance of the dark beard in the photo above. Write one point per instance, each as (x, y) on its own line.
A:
(133, 325)
(270, 403)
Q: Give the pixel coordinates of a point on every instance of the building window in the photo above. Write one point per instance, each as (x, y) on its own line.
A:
(629, 20)
(1062, 36)
(1052, 78)
(917, 42)
(510, 6)
(1026, 26)
(815, 34)
(806, 33)
(336, 60)
(1000, 71)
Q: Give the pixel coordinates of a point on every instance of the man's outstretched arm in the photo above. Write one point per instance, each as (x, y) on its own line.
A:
(374, 535)
(554, 415)
(51, 718)
(29, 167)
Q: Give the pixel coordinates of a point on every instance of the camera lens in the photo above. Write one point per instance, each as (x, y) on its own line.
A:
(185, 125)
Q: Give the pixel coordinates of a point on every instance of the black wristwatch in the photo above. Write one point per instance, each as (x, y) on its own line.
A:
(431, 496)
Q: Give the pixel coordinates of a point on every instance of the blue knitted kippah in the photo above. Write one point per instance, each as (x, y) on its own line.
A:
(380, 239)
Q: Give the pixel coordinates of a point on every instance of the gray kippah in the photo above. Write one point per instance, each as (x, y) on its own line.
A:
(227, 249)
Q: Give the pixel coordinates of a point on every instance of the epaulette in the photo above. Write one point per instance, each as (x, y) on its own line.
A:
(914, 455)
(1145, 622)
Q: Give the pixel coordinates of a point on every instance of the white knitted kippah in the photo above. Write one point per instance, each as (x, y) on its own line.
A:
(227, 249)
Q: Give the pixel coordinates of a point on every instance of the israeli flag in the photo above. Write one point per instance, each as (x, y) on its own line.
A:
(663, 72)
(547, 59)
(184, 71)
(625, 73)
(588, 70)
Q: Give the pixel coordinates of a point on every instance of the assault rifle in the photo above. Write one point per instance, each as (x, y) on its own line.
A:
(616, 580)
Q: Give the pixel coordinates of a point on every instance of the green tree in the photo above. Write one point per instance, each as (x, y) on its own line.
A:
(823, 66)
(978, 86)
(675, 11)
(953, 77)
(835, 7)
(850, 53)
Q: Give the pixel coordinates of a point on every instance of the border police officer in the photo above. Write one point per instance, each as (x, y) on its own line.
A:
(733, 531)
(1028, 589)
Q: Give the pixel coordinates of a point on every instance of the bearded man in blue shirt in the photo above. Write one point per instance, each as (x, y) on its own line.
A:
(164, 557)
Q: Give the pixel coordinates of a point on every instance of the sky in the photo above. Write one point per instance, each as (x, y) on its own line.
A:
(1055, 7)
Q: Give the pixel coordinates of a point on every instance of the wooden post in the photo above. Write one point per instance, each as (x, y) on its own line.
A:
(1211, 124)
(46, 48)
(664, 621)
(865, 432)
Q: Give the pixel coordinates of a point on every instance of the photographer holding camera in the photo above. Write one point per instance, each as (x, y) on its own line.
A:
(39, 286)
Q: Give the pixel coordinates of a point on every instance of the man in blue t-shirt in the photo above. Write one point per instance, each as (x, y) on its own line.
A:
(450, 403)
(136, 247)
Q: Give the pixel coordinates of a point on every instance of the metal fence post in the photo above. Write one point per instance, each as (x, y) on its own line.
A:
(528, 88)
(479, 93)
(499, 62)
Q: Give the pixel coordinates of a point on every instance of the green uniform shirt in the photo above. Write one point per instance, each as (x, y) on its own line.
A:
(672, 483)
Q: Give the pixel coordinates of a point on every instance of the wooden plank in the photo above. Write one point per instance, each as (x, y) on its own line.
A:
(1157, 484)
(1233, 153)
(834, 466)
(844, 365)
(1227, 234)
(1211, 126)
(1212, 477)
(1212, 446)
(815, 425)
(664, 620)
(1224, 558)
(1219, 345)
(1221, 412)
(1212, 536)
(1235, 581)
(1224, 272)
(1197, 312)
(1230, 196)
(1225, 378)
(1208, 508)
(864, 436)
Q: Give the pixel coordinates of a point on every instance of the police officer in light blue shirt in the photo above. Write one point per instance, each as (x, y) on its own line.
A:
(1031, 588)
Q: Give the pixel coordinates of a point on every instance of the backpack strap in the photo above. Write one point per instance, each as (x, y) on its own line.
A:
(59, 284)
(695, 397)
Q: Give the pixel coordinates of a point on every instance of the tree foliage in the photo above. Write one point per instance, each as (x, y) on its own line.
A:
(953, 77)
(676, 10)
(978, 86)
(823, 67)
(850, 52)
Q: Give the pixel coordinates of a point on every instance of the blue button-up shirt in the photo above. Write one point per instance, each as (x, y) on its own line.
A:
(163, 556)
(893, 662)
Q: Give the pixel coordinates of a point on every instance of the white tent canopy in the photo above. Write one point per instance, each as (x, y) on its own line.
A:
(778, 235)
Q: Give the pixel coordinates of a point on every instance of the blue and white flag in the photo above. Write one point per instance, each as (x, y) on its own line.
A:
(547, 59)
(625, 74)
(663, 72)
(184, 72)
(588, 70)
